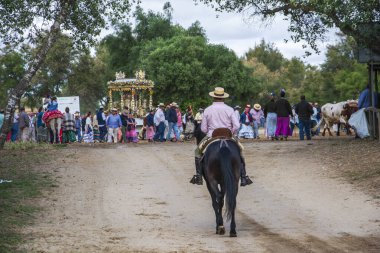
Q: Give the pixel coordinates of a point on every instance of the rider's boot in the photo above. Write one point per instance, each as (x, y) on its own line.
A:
(197, 179)
(244, 179)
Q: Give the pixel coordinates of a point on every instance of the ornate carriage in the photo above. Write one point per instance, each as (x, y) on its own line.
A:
(136, 93)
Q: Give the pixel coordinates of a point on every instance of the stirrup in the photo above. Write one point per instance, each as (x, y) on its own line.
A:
(245, 181)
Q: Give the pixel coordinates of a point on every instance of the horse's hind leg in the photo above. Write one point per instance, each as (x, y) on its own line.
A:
(233, 225)
(214, 192)
(220, 201)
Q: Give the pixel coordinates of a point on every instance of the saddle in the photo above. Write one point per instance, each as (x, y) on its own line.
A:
(222, 133)
(217, 135)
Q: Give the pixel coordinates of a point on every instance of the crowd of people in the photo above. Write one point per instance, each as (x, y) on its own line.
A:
(166, 123)
(278, 118)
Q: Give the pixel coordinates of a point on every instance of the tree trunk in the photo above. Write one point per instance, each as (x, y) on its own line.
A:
(15, 94)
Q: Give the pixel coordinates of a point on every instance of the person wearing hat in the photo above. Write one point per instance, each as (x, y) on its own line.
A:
(78, 126)
(172, 121)
(218, 115)
(159, 121)
(283, 110)
(271, 117)
(257, 115)
(113, 124)
(246, 120)
(198, 117)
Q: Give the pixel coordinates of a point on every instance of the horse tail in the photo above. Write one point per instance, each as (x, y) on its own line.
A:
(229, 182)
(322, 122)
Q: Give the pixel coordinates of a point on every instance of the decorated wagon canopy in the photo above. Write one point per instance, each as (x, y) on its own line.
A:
(136, 93)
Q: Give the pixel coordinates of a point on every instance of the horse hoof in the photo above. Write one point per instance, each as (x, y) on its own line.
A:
(220, 230)
(233, 234)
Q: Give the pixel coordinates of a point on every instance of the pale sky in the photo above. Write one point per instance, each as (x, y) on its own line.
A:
(235, 31)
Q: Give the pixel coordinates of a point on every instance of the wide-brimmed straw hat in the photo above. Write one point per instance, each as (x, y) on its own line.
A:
(160, 105)
(257, 106)
(219, 93)
(174, 104)
(114, 109)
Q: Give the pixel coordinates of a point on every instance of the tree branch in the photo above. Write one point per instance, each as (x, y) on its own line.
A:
(16, 93)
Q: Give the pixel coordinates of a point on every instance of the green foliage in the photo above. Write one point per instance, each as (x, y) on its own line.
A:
(12, 65)
(86, 80)
(186, 68)
(312, 86)
(267, 54)
(340, 77)
(196, 30)
(182, 64)
(351, 81)
(310, 20)
(121, 49)
(52, 75)
(152, 25)
(84, 18)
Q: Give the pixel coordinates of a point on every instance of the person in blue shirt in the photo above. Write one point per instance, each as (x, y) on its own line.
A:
(41, 128)
(113, 123)
(53, 104)
(52, 110)
(365, 98)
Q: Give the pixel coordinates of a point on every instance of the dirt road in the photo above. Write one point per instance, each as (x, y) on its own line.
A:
(137, 198)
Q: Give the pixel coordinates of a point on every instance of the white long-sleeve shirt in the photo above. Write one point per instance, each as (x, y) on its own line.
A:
(159, 117)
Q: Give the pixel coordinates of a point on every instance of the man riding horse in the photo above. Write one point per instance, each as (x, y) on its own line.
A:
(218, 115)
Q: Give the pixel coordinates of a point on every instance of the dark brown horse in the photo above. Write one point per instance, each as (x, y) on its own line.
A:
(221, 171)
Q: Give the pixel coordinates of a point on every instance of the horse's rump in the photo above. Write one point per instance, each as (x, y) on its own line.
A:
(222, 167)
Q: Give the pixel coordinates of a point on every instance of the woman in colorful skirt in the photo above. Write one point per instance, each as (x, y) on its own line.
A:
(246, 120)
(131, 129)
(68, 127)
(52, 110)
(283, 110)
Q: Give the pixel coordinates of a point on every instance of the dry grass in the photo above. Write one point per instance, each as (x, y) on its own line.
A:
(358, 161)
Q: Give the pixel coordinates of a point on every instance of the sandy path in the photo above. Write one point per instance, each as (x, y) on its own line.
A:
(137, 198)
